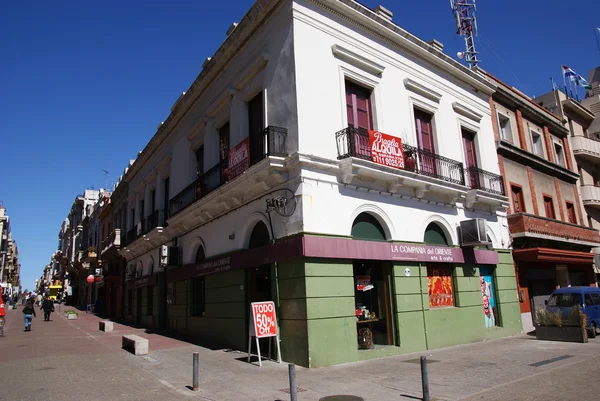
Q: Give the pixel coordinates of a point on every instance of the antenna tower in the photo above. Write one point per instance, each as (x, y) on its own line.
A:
(466, 26)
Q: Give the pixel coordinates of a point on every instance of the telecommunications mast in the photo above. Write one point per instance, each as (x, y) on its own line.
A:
(466, 25)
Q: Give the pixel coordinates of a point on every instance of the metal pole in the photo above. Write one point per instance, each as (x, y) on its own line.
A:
(424, 378)
(292, 374)
(195, 375)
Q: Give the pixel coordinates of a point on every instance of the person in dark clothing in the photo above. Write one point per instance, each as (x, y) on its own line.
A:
(28, 313)
(48, 307)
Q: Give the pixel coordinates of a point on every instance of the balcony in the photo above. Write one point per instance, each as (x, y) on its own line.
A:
(590, 196)
(527, 225)
(113, 241)
(154, 220)
(586, 148)
(485, 181)
(423, 171)
(272, 143)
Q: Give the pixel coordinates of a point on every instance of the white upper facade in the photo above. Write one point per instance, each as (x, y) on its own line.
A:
(292, 66)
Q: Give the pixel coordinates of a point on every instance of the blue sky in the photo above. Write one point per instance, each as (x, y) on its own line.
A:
(83, 85)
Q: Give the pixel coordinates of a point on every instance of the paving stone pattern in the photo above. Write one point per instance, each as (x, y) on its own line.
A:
(72, 360)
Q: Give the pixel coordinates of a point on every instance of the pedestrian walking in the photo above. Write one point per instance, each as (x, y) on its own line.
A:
(2, 319)
(28, 313)
(48, 308)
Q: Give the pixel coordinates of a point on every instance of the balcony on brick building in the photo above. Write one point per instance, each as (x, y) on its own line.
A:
(524, 225)
(586, 148)
(590, 195)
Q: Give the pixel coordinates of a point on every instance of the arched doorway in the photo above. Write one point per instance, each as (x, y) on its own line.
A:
(440, 285)
(259, 286)
(372, 289)
(200, 255)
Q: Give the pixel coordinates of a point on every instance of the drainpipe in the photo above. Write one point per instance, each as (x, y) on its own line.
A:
(423, 305)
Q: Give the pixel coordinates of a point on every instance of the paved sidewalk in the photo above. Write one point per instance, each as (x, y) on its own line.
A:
(73, 360)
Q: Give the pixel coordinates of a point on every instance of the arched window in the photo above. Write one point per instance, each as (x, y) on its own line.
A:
(200, 256)
(434, 235)
(366, 227)
(260, 236)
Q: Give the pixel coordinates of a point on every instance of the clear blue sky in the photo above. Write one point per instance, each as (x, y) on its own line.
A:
(83, 85)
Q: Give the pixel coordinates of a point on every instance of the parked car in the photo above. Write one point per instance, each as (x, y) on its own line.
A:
(587, 298)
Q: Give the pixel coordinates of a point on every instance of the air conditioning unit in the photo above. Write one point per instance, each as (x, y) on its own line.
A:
(472, 233)
(174, 256)
(164, 255)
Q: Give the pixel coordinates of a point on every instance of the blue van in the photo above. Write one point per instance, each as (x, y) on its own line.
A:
(587, 298)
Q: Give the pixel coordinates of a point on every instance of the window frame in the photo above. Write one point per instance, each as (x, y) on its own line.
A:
(348, 73)
(551, 203)
(500, 115)
(562, 153)
(532, 134)
(451, 273)
(520, 196)
(570, 207)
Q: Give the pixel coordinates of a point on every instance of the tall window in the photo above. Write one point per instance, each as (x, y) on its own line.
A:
(505, 129)
(198, 297)
(166, 200)
(424, 131)
(153, 200)
(358, 106)
(200, 161)
(536, 141)
(517, 198)
(571, 213)
(559, 153)
(549, 207)
(224, 149)
(256, 126)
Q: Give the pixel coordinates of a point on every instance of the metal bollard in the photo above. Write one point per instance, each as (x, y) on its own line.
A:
(195, 374)
(292, 374)
(424, 378)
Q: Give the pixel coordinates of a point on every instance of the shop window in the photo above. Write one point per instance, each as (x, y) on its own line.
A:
(571, 213)
(150, 301)
(198, 297)
(488, 296)
(549, 207)
(440, 285)
(517, 198)
(434, 235)
(372, 305)
(367, 227)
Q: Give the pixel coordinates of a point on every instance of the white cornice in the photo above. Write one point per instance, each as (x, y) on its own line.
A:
(357, 60)
(422, 90)
(256, 66)
(467, 112)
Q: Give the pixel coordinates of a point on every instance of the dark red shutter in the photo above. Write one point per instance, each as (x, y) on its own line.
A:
(425, 142)
(358, 110)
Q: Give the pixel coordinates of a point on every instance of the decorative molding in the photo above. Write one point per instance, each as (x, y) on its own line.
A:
(467, 112)
(222, 101)
(357, 60)
(422, 90)
(197, 127)
(256, 66)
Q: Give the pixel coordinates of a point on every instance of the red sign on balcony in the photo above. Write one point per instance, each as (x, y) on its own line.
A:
(386, 149)
(239, 159)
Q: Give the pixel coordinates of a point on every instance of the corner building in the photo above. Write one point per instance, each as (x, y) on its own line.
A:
(261, 185)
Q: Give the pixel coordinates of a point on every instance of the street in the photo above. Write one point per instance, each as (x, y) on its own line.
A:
(72, 360)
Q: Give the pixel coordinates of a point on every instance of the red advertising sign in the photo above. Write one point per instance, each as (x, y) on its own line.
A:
(239, 159)
(265, 322)
(362, 282)
(386, 149)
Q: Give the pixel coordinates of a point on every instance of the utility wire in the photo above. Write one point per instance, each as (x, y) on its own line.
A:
(517, 80)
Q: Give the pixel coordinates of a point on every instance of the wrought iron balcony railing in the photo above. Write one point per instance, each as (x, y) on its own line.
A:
(272, 142)
(485, 181)
(354, 142)
(155, 219)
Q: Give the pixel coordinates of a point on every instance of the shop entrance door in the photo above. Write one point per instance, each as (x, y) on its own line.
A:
(258, 284)
(373, 304)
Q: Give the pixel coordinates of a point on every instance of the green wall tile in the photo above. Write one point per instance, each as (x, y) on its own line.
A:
(290, 269)
(292, 288)
(506, 283)
(321, 308)
(409, 302)
(507, 296)
(332, 341)
(471, 298)
(467, 283)
(505, 257)
(328, 268)
(329, 287)
(505, 270)
(226, 310)
(407, 285)
(225, 294)
(294, 309)
(294, 341)
(411, 331)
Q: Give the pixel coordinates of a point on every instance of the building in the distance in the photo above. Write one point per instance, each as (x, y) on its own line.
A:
(550, 239)
(10, 267)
